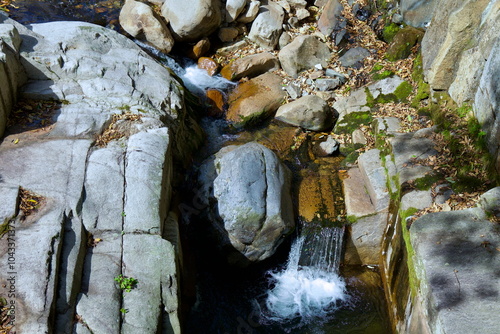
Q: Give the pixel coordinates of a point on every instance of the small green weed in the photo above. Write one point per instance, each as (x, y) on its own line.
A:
(126, 283)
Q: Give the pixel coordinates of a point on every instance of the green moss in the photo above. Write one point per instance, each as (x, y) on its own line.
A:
(353, 121)
(351, 219)
(377, 67)
(390, 30)
(400, 94)
(403, 91)
(412, 275)
(464, 110)
(418, 70)
(426, 182)
(423, 92)
(4, 228)
(382, 75)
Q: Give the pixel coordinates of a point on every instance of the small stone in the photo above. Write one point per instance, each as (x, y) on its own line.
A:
(358, 137)
(315, 75)
(327, 84)
(354, 57)
(284, 40)
(201, 48)
(293, 91)
(302, 14)
(251, 13)
(215, 100)
(332, 73)
(330, 146)
(293, 22)
(285, 5)
(397, 18)
(228, 34)
(318, 66)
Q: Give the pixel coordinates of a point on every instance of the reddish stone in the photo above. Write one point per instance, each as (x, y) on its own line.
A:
(208, 64)
(199, 49)
(216, 101)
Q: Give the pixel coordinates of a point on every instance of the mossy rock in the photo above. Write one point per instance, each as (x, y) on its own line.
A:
(352, 121)
(390, 30)
(382, 75)
(404, 40)
(400, 94)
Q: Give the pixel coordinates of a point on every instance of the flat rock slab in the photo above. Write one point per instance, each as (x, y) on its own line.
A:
(457, 264)
(357, 198)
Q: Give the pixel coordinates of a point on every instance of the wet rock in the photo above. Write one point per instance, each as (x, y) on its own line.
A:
(234, 9)
(255, 100)
(191, 20)
(267, 27)
(138, 19)
(250, 66)
(402, 43)
(208, 64)
(309, 112)
(216, 101)
(354, 57)
(228, 34)
(303, 53)
(250, 13)
(200, 48)
(248, 191)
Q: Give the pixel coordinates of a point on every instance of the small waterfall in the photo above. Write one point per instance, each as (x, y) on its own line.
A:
(309, 287)
(195, 79)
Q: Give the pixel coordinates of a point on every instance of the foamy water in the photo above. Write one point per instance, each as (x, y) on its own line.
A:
(303, 291)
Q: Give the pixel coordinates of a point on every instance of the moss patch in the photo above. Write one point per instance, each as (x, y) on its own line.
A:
(402, 43)
(400, 94)
(382, 75)
(353, 121)
(390, 30)
(413, 280)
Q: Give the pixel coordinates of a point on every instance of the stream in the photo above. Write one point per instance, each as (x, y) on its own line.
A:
(303, 288)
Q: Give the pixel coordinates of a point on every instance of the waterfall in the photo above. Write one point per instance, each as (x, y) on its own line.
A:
(195, 79)
(309, 286)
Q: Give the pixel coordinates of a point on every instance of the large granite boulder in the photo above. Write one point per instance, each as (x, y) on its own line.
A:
(190, 20)
(99, 169)
(247, 191)
(303, 53)
(250, 66)
(268, 25)
(139, 20)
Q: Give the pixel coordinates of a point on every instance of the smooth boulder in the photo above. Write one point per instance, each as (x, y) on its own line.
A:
(309, 112)
(250, 66)
(190, 20)
(303, 53)
(247, 190)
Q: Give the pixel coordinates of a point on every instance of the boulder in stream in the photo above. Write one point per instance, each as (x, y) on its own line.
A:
(247, 191)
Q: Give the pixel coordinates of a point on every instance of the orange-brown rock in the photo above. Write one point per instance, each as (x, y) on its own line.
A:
(216, 101)
(255, 100)
(208, 64)
(199, 49)
(250, 66)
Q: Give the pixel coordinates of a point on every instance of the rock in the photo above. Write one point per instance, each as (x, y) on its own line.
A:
(285, 5)
(284, 40)
(329, 146)
(216, 101)
(419, 13)
(490, 201)
(334, 74)
(250, 66)
(12, 74)
(255, 100)
(456, 267)
(302, 14)
(234, 9)
(302, 54)
(208, 64)
(417, 199)
(358, 137)
(93, 197)
(486, 102)
(267, 27)
(250, 13)
(200, 48)
(309, 112)
(330, 18)
(138, 19)
(354, 57)
(293, 90)
(228, 34)
(327, 84)
(402, 43)
(447, 37)
(248, 192)
(297, 4)
(190, 20)
(293, 23)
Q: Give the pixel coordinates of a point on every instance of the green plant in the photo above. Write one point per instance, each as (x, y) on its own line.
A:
(124, 310)
(126, 283)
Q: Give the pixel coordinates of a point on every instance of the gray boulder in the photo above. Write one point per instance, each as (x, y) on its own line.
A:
(250, 13)
(190, 20)
(247, 190)
(303, 53)
(309, 112)
(268, 25)
(354, 57)
(234, 9)
(138, 19)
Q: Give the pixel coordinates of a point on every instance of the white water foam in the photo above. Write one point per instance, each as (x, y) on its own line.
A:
(304, 291)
